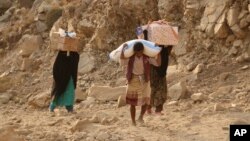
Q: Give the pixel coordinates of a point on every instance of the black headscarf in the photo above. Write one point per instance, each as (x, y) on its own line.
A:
(64, 68)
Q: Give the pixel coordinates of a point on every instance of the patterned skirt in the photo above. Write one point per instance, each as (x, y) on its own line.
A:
(138, 93)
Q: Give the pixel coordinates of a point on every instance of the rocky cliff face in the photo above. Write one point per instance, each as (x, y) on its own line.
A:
(209, 29)
(105, 24)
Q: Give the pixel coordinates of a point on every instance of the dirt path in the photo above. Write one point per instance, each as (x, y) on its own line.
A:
(177, 124)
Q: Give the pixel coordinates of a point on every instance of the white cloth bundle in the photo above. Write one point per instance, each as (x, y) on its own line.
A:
(63, 33)
(150, 49)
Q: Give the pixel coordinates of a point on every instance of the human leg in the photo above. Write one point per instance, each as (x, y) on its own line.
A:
(132, 113)
(149, 109)
(143, 110)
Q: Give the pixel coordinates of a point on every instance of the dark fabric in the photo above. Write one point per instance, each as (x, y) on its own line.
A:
(130, 68)
(159, 108)
(158, 80)
(69, 108)
(161, 70)
(64, 68)
(158, 88)
(146, 66)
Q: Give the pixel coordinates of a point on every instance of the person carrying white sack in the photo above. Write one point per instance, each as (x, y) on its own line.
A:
(138, 79)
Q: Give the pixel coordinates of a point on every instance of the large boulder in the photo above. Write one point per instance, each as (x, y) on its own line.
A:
(238, 32)
(86, 28)
(221, 29)
(86, 64)
(219, 107)
(221, 92)
(232, 15)
(80, 125)
(49, 14)
(5, 17)
(177, 91)
(80, 95)
(5, 98)
(106, 93)
(88, 102)
(198, 97)
(29, 43)
(213, 11)
(172, 73)
(41, 100)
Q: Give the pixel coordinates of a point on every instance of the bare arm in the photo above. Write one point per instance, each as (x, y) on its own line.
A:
(156, 61)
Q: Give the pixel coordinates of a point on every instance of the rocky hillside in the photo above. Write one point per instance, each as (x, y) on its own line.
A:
(209, 70)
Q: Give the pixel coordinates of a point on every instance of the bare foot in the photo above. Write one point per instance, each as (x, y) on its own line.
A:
(133, 123)
(149, 111)
(140, 120)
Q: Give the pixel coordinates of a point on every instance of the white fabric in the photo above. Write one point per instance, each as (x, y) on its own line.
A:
(150, 49)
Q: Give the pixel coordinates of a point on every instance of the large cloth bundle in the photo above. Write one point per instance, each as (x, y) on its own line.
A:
(162, 33)
(150, 49)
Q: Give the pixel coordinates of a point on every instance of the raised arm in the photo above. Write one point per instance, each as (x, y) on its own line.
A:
(122, 53)
(156, 61)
